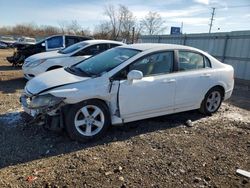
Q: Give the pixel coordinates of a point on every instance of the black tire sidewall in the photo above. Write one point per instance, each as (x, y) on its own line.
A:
(70, 117)
(204, 109)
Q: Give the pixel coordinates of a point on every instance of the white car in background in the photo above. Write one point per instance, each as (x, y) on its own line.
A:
(126, 84)
(46, 61)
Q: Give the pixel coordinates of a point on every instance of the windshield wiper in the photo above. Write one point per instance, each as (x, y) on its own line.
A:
(77, 71)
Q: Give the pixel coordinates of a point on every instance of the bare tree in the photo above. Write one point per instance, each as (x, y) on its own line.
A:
(114, 21)
(153, 24)
(47, 30)
(74, 27)
(63, 26)
(33, 30)
(127, 22)
(120, 23)
(26, 29)
(102, 31)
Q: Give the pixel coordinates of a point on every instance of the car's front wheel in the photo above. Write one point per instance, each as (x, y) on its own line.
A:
(212, 101)
(87, 120)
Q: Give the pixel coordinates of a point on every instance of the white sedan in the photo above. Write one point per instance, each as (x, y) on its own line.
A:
(126, 84)
(46, 61)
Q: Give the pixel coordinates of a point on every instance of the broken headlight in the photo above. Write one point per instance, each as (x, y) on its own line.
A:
(46, 100)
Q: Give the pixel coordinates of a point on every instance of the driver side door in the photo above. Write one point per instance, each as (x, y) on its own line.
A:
(152, 95)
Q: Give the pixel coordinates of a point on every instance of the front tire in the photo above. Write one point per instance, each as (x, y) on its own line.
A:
(87, 120)
(212, 101)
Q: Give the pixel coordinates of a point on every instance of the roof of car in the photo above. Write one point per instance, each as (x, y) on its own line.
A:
(74, 36)
(101, 41)
(150, 46)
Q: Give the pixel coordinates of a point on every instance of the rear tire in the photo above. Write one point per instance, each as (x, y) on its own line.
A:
(87, 120)
(212, 101)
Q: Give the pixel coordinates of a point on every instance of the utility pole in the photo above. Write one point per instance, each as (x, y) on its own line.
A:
(133, 35)
(181, 27)
(212, 19)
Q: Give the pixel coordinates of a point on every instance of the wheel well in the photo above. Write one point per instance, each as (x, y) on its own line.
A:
(68, 106)
(96, 99)
(54, 67)
(220, 88)
(103, 101)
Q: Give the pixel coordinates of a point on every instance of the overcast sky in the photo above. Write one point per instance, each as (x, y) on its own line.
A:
(195, 14)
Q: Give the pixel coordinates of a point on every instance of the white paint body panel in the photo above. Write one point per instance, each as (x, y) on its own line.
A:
(56, 59)
(149, 97)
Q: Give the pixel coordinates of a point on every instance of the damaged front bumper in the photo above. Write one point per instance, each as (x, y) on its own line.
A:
(24, 102)
(16, 59)
(50, 116)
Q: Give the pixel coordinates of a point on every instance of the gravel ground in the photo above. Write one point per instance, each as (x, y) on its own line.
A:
(158, 152)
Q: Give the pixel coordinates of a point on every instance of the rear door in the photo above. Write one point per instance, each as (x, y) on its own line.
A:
(193, 79)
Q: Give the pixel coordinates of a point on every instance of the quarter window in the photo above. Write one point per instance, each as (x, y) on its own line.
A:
(158, 63)
(207, 62)
(190, 61)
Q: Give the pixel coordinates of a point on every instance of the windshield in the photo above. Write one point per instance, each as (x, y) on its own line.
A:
(73, 48)
(105, 61)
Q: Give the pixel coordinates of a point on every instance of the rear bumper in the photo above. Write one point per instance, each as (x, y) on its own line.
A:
(228, 94)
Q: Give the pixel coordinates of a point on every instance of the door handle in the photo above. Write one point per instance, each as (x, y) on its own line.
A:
(169, 81)
(206, 75)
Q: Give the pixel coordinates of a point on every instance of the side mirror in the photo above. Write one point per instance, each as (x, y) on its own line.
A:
(134, 75)
(43, 44)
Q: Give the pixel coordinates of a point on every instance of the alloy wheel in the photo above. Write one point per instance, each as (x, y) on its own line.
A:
(89, 120)
(213, 101)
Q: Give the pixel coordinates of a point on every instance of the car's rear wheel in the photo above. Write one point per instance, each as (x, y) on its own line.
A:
(87, 120)
(212, 101)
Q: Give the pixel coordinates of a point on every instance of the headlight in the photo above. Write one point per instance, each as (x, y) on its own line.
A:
(46, 100)
(34, 63)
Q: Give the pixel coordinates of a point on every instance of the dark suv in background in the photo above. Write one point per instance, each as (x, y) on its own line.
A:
(55, 42)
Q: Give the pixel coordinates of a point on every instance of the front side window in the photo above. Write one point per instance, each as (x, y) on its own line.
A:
(55, 42)
(105, 61)
(190, 61)
(158, 63)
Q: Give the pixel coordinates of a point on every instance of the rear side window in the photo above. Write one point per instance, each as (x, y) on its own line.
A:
(190, 61)
(70, 41)
(93, 50)
(55, 42)
(157, 63)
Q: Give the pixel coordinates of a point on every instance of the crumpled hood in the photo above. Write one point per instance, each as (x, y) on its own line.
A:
(52, 79)
(44, 55)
